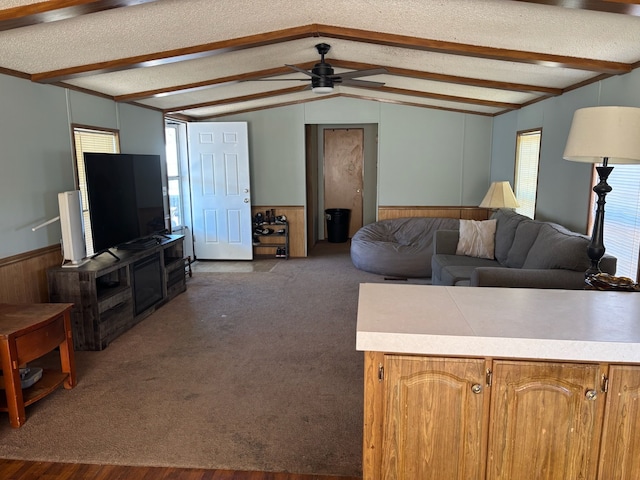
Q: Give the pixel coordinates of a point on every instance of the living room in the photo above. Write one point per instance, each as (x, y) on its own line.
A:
(427, 157)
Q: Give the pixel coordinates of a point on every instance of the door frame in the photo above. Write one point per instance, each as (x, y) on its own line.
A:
(315, 212)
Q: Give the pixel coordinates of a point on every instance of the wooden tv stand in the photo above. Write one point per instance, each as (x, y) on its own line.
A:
(105, 295)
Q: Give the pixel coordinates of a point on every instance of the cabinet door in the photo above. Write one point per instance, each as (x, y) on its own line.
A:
(621, 434)
(433, 419)
(544, 424)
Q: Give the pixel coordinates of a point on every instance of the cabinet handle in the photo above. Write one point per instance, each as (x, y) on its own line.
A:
(591, 394)
(476, 388)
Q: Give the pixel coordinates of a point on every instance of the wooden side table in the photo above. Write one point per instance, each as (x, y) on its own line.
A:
(28, 332)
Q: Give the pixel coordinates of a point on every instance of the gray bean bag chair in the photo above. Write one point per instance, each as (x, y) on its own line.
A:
(400, 247)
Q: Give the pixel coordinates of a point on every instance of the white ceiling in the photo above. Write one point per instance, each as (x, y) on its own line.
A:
(192, 58)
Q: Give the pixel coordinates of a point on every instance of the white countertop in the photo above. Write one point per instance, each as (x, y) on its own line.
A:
(499, 322)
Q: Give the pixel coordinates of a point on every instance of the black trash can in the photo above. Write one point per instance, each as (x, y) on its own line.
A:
(337, 224)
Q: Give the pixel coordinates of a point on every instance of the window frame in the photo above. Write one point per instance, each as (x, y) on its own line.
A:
(516, 184)
(593, 198)
(78, 168)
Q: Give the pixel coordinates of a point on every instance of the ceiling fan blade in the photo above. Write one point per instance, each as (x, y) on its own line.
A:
(277, 80)
(361, 83)
(363, 73)
(302, 70)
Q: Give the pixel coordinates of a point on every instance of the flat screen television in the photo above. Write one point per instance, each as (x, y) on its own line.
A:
(124, 193)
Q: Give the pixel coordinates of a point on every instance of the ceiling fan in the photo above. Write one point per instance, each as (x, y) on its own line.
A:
(323, 77)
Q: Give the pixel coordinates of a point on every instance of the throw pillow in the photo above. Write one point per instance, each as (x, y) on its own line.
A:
(477, 238)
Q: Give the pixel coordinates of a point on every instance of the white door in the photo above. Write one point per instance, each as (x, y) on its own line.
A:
(221, 201)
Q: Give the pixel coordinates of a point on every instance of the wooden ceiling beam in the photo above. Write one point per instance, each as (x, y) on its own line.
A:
(271, 72)
(215, 82)
(477, 51)
(337, 95)
(414, 104)
(438, 77)
(244, 98)
(378, 38)
(177, 55)
(625, 7)
(56, 10)
(446, 98)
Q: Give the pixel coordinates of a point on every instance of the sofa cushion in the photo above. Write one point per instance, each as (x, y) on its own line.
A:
(456, 275)
(477, 238)
(507, 222)
(525, 236)
(450, 269)
(557, 247)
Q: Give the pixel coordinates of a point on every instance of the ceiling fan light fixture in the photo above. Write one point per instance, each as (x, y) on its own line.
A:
(322, 89)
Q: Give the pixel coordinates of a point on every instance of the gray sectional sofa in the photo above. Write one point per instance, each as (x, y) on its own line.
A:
(528, 253)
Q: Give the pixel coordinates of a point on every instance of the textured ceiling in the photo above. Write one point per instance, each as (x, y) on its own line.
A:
(203, 58)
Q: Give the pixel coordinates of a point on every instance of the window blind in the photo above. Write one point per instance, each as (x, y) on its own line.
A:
(94, 141)
(622, 218)
(526, 175)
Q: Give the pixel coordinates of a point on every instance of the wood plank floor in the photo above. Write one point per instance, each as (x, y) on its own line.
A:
(22, 470)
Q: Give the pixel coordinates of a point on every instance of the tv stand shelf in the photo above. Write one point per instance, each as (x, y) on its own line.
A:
(107, 292)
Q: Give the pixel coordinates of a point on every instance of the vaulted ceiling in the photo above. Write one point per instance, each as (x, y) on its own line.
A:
(196, 59)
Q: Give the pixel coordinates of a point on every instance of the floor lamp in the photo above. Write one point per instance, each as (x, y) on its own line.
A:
(606, 135)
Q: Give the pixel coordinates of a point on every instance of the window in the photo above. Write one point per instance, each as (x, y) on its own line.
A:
(622, 218)
(174, 179)
(94, 141)
(526, 174)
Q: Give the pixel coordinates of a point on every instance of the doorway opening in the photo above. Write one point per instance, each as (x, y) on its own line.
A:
(341, 172)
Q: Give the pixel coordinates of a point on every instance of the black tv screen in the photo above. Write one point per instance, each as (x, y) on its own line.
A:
(125, 197)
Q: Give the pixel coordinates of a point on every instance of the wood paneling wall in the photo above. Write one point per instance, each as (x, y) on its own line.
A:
(465, 213)
(23, 277)
(297, 228)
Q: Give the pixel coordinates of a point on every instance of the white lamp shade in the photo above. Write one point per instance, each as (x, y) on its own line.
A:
(598, 132)
(499, 195)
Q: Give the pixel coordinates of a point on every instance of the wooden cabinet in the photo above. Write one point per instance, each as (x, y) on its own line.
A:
(545, 418)
(424, 394)
(110, 295)
(457, 418)
(619, 458)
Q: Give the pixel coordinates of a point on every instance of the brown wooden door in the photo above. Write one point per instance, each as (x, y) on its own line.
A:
(619, 453)
(343, 181)
(543, 424)
(433, 420)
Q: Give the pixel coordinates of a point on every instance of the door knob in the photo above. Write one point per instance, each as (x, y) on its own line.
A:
(246, 200)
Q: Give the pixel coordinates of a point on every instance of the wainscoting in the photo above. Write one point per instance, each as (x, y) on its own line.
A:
(23, 277)
(465, 213)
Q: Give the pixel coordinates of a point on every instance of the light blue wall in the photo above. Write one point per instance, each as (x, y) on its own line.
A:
(564, 187)
(276, 155)
(425, 156)
(36, 163)
(36, 155)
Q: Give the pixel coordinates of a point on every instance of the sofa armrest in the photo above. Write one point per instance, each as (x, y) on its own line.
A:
(527, 278)
(445, 242)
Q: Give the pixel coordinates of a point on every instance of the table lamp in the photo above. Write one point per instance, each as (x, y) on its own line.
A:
(606, 135)
(499, 195)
